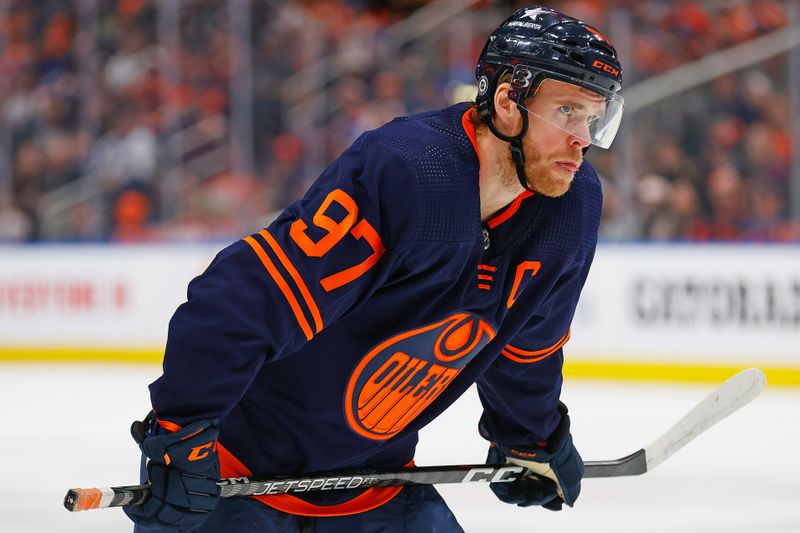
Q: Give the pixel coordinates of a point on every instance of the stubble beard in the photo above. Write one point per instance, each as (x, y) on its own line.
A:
(542, 174)
(547, 181)
(508, 172)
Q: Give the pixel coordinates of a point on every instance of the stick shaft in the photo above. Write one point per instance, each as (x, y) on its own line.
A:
(730, 396)
(85, 499)
(100, 498)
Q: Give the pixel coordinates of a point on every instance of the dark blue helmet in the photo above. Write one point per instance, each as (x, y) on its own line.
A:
(540, 42)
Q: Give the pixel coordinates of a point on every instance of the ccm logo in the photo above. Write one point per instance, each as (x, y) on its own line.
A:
(494, 475)
(201, 452)
(605, 67)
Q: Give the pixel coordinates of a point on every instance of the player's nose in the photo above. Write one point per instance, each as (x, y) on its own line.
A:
(581, 138)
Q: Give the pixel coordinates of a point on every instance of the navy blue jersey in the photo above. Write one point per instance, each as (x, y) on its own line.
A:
(328, 339)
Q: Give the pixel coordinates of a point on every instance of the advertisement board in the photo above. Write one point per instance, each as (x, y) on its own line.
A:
(93, 296)
(709, 303)
(682, 306)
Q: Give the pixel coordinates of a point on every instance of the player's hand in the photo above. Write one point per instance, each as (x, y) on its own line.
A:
(557, 466)
(183, 468)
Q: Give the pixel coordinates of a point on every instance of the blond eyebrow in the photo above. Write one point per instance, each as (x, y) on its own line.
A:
(565, 99)
(570, 101)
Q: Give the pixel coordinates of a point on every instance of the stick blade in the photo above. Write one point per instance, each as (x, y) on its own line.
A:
(733, 394)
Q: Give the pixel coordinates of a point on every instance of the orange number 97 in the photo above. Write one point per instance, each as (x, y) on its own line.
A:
(336, 231)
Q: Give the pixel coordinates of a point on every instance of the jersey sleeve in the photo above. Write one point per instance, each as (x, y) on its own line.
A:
(521, 389)
(265, 296)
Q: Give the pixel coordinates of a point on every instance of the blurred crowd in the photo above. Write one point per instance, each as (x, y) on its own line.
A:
(140, 120)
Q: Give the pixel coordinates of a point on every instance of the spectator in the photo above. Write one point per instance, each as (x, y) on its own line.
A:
(131, 213)
(325, 71)
(765, 222)
(727, 202)
(14, 225)
(124, 156)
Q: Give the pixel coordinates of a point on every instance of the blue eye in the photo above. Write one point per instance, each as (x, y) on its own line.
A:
(566, 109)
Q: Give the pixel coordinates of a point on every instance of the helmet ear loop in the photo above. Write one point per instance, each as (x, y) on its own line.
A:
(515, 145)
(517, 155)
(515, 141)
(486, 103)
(486, 110)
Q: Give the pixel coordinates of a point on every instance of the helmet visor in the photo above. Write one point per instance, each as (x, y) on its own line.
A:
(570, 106)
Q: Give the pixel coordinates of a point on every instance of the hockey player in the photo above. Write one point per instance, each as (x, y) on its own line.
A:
(440, 250)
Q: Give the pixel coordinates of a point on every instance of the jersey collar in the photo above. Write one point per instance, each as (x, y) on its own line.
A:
(513, 207)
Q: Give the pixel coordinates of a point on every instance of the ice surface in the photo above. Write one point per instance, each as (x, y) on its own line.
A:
(67, 426)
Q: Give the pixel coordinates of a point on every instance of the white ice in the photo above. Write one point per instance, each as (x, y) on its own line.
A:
(66, 426)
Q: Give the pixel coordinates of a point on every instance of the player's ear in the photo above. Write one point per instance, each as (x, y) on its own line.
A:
(506, 115)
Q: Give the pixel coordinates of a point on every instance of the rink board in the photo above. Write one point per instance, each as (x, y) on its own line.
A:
(677, 312)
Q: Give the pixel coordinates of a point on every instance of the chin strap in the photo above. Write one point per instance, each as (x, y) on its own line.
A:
(515, 142)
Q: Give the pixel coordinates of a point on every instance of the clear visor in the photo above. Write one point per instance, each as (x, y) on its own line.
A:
(584, 113)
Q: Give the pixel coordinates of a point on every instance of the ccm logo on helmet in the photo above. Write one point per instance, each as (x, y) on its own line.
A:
(605, 67)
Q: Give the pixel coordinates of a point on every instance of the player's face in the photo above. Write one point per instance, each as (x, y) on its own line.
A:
(560, 115)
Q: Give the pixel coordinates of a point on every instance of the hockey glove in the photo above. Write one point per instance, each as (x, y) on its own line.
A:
(557, 466)
(183, 469)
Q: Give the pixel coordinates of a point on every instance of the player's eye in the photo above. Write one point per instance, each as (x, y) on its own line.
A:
(566, 109)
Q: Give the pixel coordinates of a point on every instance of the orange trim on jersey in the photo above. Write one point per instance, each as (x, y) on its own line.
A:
(371, 498)
(282, 285)
(173, 427)
(523, 356)
(485, 277)
(509, 211)
(169, 426)
(289, 266)
(487, 267)
(469, 129)
(525, 266)
(484, 287)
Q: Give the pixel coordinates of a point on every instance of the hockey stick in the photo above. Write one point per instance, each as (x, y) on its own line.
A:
(730, 396)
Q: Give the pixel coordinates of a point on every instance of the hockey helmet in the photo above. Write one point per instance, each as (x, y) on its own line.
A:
(539, 43)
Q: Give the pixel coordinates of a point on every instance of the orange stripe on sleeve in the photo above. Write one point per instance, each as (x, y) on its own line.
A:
(282, 285)
(524, 356)
(298, 279)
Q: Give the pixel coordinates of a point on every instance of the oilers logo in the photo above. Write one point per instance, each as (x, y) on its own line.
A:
(402, 375)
